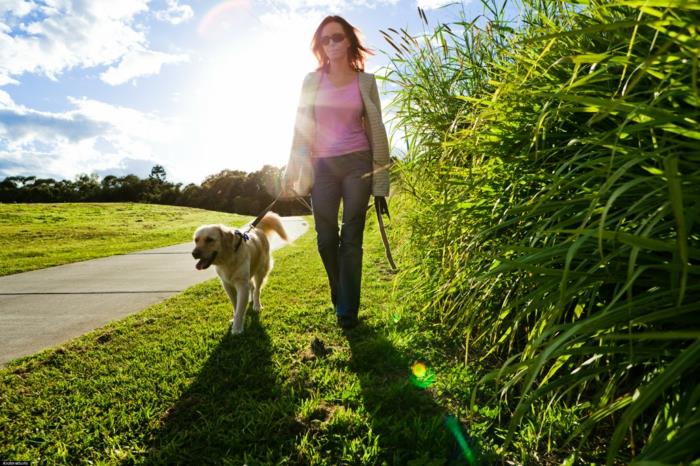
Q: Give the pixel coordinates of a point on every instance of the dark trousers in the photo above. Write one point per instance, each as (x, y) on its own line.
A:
(347, 178)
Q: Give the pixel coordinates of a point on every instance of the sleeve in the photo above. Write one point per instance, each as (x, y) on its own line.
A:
(382, 161)
(295, 172)
(374, 96)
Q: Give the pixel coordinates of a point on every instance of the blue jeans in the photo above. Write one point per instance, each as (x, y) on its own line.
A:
(347, 177)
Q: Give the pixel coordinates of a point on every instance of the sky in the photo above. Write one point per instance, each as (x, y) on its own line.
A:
(114, 87)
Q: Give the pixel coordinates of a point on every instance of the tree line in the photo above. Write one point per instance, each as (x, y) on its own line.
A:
(232, 191)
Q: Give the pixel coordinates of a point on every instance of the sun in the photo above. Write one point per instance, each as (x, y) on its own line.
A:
(243, 101)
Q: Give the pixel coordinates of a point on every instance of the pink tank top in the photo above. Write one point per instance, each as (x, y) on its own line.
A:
(338, 118)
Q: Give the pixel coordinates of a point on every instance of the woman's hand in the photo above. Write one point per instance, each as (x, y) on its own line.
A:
(288, 192)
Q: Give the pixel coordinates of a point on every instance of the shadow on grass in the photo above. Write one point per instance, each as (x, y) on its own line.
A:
(231, 414)
(412, 428)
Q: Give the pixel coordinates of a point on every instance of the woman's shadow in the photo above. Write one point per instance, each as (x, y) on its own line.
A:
(207, 425)
(237, 412)
(412, 428)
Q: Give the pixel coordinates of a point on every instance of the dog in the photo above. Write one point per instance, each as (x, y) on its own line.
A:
(242, 260)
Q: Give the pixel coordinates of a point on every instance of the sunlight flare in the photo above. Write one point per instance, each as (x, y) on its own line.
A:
(222, 17)
(422, 376)
(244, 98)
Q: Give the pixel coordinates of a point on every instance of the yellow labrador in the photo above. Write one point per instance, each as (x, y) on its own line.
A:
(242, 261)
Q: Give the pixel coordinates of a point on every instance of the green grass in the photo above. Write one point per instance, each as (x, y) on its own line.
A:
(169, 385)
(34, 236)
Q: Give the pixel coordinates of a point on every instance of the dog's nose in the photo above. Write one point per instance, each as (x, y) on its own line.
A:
(196, 253)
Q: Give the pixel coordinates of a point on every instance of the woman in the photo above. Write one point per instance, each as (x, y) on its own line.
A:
(340, 152)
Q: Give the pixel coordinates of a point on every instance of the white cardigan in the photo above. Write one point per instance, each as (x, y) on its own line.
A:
(298, 175)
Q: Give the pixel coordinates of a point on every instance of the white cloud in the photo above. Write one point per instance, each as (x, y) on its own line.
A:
(291, 24)
(128, 122)
(61, 35)
(5, 100)
(91, 137)
(296, 5)
(17, 8)
(29, 163)
(175, 13)
(333, 6)
(139, 63)
(21, 126)
(433, 4)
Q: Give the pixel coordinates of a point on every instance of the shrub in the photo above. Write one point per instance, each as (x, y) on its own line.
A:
(556, 178)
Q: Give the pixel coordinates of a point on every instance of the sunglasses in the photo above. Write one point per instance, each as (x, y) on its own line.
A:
(337, 37)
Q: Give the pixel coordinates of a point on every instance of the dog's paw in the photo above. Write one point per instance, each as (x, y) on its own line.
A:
(257, 307)
(235, 330)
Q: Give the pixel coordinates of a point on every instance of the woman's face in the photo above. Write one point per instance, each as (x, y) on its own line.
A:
(330, 33)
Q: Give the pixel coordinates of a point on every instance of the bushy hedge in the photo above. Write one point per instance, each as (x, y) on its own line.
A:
(554, 165)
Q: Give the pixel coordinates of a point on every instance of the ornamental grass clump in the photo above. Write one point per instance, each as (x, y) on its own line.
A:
(561, 156)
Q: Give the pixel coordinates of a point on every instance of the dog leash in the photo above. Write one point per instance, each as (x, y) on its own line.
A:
(244, 235)
(262, 214)
(267, 209)
(381, 207)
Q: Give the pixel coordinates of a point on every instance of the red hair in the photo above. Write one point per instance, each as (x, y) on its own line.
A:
(356, 53)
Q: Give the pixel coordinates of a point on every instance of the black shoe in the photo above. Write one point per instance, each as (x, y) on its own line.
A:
(347, 322)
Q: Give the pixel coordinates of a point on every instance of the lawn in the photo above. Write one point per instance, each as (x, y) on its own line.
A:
(34, 236)
(169, 385)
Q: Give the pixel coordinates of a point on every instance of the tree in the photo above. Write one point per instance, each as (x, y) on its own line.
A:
(226, 191)
(87, 187)
(8, 190)
(158, 173)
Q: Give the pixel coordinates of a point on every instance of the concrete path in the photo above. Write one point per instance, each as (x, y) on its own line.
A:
(47, 307)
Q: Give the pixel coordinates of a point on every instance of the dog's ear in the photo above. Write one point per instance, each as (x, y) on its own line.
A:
(227, 238)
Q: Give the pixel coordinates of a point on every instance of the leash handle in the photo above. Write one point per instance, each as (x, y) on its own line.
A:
(381, 207)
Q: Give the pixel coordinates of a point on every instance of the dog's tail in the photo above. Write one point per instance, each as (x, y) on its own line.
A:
(272, 222)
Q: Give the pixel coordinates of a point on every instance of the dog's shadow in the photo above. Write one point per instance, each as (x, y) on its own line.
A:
(206, 426)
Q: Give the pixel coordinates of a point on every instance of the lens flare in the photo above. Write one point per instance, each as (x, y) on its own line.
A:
(421, 375)
(272, 182)
(453, 426)
(222, 17)
(418, 369)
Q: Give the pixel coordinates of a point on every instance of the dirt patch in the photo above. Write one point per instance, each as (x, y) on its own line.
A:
(316, 349)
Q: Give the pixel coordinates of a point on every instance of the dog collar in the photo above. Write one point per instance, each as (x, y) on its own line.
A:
(244, 237)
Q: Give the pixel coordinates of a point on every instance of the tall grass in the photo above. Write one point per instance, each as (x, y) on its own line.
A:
(555, 167)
